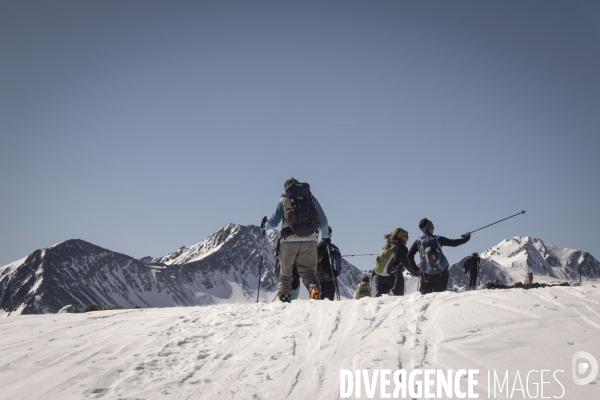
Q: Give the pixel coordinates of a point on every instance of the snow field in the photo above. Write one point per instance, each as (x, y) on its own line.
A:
(296, 351)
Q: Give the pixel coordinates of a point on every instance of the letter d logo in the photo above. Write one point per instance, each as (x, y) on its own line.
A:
(581, 367)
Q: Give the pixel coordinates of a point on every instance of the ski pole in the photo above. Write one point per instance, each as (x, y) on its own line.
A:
(262, 227)
(359, 255)
(260, 270)
(522, 212)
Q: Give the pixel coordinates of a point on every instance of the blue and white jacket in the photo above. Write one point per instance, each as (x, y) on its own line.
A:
(277, 217)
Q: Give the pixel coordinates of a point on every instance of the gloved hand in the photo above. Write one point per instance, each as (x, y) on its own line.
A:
(263, 222)
(336, 272)
(327, 240)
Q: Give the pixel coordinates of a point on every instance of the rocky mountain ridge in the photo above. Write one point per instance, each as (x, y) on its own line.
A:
(510, 260)
(223, 268)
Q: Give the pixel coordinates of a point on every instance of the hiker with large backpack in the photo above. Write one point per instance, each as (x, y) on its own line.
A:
(434, 265)
(364, 288)
(329, 267)
(471, 265)
(391, 262)
(302, 217)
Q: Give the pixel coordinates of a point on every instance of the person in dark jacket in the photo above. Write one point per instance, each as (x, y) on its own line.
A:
(393, 278)
(472, 266)
(325, 272)
(434, 265)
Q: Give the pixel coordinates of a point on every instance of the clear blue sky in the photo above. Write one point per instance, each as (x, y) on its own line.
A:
(143, 126)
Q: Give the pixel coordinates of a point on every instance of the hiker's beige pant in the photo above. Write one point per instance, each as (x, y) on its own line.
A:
(305, 257)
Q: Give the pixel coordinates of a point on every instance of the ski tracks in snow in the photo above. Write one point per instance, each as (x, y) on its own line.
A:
(281, 351)
(234, 351)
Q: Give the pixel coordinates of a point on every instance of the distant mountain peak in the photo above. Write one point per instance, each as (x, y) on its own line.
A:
(511, 259)
(222, 268)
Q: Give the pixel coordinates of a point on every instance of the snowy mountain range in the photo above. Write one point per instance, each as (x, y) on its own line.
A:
(510, 260)
(223, 268)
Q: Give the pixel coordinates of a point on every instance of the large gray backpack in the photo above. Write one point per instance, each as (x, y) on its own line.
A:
(300, 211)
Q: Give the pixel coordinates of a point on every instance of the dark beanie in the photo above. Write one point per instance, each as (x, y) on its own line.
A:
(289, 182)
(423, 223)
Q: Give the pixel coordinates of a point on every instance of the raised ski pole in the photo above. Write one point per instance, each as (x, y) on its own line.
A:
(262, 227)
(522, 212)
(359, 255)
(337, 292)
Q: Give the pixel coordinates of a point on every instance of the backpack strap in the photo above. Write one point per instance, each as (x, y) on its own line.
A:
(437, 240)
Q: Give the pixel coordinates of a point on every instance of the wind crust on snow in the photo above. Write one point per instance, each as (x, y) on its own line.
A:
(296, 351)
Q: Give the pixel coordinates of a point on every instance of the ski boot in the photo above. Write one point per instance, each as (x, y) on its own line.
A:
(285, 298)
(313, 291)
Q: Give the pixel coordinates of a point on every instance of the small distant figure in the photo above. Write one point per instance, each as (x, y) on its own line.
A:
(529, 278)
(492, 285)
(364, 288)
(496, 285)
(471, 266)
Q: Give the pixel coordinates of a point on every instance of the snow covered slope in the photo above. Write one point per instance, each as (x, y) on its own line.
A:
(222, 268)
(296, 351)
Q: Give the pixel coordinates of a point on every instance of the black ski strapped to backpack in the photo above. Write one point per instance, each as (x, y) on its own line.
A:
(300, 211)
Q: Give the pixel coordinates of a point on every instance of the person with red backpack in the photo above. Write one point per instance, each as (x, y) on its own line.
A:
(434, 265)
(302, 218)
